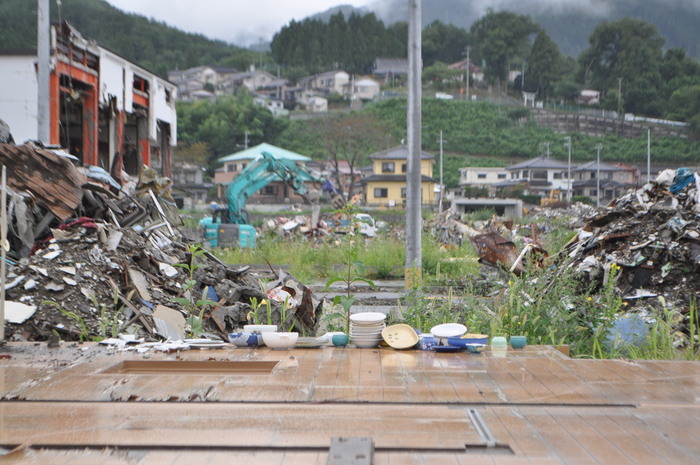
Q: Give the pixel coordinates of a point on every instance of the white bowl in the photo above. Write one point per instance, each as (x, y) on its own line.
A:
(367, 317)
(448, 330)
(365, 344)
(260, 328)
(280, 340)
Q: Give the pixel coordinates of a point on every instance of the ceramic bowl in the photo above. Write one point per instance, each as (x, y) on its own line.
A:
(340, 340)
(260, 328)
(279, 340)
(475, 348)
(245, 339)
(518, 342)
(427, 342)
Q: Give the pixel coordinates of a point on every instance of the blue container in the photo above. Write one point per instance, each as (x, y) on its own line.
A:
(245, 339)
(427, 342)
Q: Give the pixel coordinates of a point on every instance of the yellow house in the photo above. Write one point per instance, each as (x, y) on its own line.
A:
(386, 186)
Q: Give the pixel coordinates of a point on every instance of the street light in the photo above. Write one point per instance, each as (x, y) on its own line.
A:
(568, 175)
(597, 176)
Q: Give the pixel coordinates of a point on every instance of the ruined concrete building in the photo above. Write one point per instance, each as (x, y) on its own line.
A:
(104, 109)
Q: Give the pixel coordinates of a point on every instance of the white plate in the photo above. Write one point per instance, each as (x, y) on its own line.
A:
(207, 345)
(366, 338)
(448, 330)
(367, 317)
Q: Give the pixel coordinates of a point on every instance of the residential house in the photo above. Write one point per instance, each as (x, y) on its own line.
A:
(204, 74)
(475, 72)
(628, 174)
(364, 88)
(537, 176)
(275, 192)
(251, 80)
(104, 109)
(317, 104)
(482, 178)
(391, 71)
(588, 176)
(200, 82)
(190, 190)
(276, 89)
(588, 97)
(325, 84)
(386, 186)
(275, 106)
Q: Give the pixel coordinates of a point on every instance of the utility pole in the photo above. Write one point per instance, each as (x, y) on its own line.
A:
(44, 96)
(648, 154)
(619, 98)
(597, 176)
(568, 175)
(442, 185)
(469, 70)
(413, 272)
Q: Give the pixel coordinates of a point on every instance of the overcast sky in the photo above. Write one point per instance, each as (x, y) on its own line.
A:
(240, 22)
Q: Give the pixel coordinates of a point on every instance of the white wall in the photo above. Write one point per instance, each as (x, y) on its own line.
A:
(18, 96)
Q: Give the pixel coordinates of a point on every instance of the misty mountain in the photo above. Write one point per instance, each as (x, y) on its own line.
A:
(568, 22)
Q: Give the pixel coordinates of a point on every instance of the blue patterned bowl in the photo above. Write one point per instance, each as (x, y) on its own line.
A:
(245, 339)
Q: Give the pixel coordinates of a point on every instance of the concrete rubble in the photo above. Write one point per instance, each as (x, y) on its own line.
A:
(89, 259)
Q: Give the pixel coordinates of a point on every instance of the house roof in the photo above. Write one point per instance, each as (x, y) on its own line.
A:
(256, 152)
(603, 183)
(394, 178)
(593, 166)
(398, 152)
(391, 65)
(539, 162)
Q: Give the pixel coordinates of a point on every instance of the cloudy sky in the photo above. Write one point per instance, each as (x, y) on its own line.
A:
(241, 22)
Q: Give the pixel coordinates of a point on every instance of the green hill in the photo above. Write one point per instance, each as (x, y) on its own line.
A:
(151, 44)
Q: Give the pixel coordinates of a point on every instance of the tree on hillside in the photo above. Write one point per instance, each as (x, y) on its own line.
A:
(499, 38)
(223, 124)
(625, 54)
(443, 42)
(544, 67)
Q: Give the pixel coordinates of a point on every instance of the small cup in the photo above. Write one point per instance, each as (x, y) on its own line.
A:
(340, 340)
(518, 342)
(499, 346)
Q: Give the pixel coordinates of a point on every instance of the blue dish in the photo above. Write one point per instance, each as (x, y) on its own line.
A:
(463, 341)
(446, 349)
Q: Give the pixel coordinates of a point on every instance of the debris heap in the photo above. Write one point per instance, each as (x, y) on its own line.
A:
(652, 235)
(90, 258)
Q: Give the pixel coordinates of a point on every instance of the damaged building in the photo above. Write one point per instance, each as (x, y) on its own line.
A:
(104, 109)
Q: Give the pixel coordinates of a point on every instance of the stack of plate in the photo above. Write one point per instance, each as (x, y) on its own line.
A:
(366, 329)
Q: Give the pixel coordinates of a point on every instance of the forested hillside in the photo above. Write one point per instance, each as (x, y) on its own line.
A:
(151, 44)
(568, 23)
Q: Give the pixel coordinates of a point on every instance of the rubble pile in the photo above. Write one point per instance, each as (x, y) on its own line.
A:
(652, 235)
(89, 258)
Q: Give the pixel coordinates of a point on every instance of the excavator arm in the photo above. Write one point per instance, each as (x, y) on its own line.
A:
(259, 174)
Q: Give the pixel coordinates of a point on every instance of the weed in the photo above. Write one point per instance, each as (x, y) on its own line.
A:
(84, 333)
